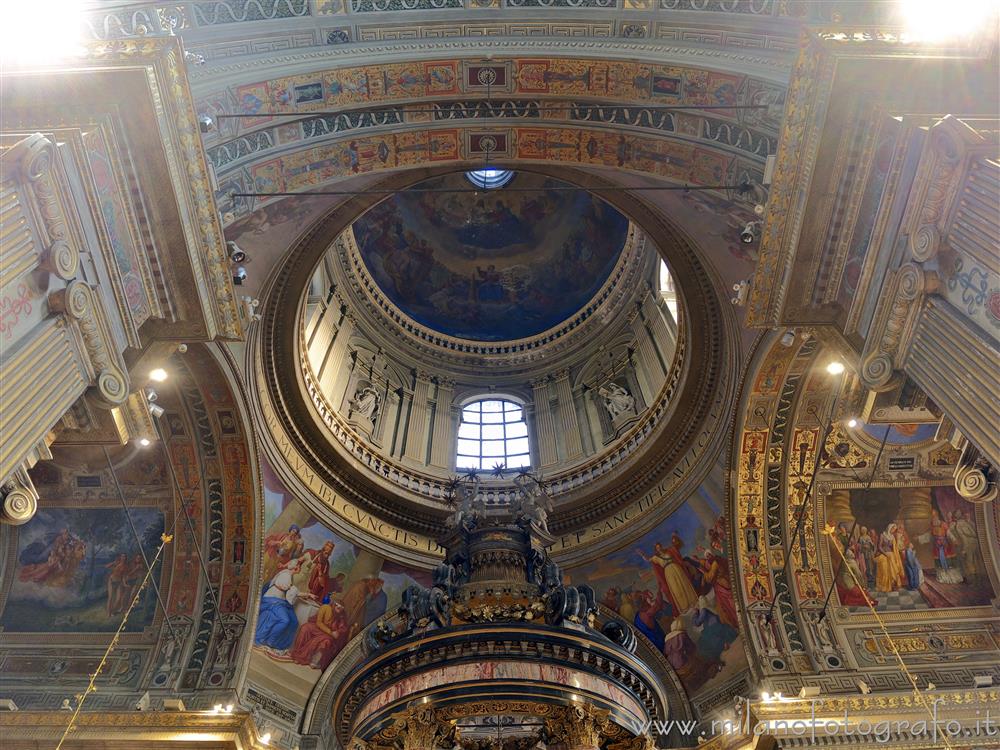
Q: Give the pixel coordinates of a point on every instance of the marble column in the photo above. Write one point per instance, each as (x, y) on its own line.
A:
(568, 423)
(443, 435)
(416, 430)
(545, 431)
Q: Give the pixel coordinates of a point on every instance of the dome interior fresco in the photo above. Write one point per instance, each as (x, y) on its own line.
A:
(494, 264)
(498, 375)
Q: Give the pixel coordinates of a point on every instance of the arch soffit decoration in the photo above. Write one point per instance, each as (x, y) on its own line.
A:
(344, 491)
(701, 146)
(784, 401)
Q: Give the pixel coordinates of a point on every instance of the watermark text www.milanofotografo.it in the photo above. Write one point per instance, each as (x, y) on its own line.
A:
(935, 726)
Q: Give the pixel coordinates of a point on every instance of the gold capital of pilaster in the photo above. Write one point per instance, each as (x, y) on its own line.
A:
(18, 499)
(579, 726)
(420, 728)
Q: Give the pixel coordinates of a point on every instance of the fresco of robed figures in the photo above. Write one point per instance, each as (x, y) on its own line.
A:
(907, 548)
(491, 265)
(78, 569)
(674, 586)
(320, 590)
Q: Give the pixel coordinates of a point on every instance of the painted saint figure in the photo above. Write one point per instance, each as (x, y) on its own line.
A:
(680, 650)
(320, 572)
(671, 578)
(888, 564)
(280, 548)
(968, 541)
(116, 583)
(912, 567)
(944, 551)
(277, 623)
(320, 640)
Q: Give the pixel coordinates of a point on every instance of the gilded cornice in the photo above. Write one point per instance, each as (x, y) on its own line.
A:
(147, 729)
(797, 146)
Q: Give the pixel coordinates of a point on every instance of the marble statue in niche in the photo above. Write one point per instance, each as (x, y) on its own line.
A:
(617, 400)
(364, 404)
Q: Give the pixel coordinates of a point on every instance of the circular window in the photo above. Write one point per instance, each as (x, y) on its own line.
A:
(489, 178)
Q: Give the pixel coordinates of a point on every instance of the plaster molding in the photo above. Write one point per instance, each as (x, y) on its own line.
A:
(209, 78)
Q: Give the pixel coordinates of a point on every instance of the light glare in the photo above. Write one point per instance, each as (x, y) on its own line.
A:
(933, 21)
(835, 368)
(39, 33)
(159, 375)
(852, 422)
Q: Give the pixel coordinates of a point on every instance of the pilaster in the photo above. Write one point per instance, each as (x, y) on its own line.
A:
(443, 434)
(567, 416)
(416, 429)
(545, 429)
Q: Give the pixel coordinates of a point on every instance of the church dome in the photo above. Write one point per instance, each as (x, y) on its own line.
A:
(491, 264)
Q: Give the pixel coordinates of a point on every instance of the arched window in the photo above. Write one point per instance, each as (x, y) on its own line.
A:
(493, 431)
(667, 289)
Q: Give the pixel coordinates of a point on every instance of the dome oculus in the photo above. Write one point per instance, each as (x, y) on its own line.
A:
(489, 178)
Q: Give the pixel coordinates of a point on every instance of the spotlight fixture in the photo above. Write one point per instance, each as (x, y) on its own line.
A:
(143, 704)
(151, 395)
(749, 234)
(206, 124)
(742, 289)
(156, 411)
(835, 368)
(788, 338)
(236, 255)
(265, 738)
(982, 681)
(852, 423)
(765, 696)
(173, 704)
(808, 691)
(239, 276)
(194, 58)
(250, 305)
(158, 374)
(863, 687)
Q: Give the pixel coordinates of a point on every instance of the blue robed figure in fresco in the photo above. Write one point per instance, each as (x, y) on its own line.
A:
(277, 623)
(715, 634)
